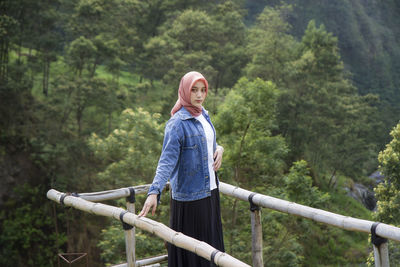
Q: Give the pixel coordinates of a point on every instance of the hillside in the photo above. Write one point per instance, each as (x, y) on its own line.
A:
(368, 37)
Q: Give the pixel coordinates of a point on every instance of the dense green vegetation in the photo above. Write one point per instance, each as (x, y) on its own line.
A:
(303, 97)
(388, 192)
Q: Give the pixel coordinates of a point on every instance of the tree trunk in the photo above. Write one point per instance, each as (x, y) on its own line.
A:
(93, 71)
(218, 82)
(332, 179)
(109, 122)
(79, 114)
(69, 243)
(55, 224)
(233, 224)
(46, 74)
(3, 60)
(237, 165)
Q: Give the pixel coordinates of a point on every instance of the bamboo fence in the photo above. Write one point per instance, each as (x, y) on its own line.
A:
(83, 202)
(200, 248)
(344, 222)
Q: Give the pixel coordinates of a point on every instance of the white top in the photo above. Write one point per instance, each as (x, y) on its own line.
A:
(210, 143)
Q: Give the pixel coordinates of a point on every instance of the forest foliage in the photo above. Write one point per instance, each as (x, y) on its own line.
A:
(86, 87)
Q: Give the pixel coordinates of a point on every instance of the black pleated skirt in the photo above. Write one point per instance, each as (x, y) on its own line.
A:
(200, 219)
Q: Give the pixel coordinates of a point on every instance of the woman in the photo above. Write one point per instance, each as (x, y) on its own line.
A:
(190, 158)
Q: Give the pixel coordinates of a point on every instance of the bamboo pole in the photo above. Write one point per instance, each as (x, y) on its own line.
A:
(130, 241)
(381, 255)
(377, 256)
(114, 194)
(256, 236)
(145, 262)
(344, 222)
(200, 248)
(384, 251)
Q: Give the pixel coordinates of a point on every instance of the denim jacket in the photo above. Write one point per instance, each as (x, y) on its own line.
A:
(184, 158)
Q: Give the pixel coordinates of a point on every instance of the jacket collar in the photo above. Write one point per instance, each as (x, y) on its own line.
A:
(184, 114)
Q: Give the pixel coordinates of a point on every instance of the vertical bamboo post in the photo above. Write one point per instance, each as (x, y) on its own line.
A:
(256, 233)
(256, 236)
(384, 251)
(380, 245)
(381, 255)
(377, 256)
(130, 241)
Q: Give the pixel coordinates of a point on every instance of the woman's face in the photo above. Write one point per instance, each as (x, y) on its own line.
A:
(198, 94)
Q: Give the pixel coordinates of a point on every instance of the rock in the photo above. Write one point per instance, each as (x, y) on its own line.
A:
(377, 176)
(363, 194)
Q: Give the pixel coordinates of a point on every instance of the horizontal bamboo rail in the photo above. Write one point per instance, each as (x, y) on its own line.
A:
(145, 262)
(114, 194)
(344, 222)
(200, 248)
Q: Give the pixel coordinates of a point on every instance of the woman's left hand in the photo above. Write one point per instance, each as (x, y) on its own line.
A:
(218, 157)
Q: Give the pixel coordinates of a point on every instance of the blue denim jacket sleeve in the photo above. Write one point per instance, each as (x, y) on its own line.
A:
(169, 157)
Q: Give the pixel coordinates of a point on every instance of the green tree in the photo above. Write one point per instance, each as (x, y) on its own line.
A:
(72, 97)
(27, 236)
(298, 186)
(7, 31)
(104, 32)
(253, 156)
(211, 42)
(81, 53)
(367, 37)
(183, 45)
(48, 39)
(228, 57)
(34, 30)
(321, 114)
(388, 192)
(245, 121)
(270, 45)
(130, 153)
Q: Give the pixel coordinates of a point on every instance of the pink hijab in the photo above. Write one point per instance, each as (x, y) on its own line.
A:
(185, 87)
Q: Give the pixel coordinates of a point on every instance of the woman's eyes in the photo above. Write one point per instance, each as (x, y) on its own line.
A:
(194, 90)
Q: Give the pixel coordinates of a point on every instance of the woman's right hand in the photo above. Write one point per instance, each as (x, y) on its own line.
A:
(151, 202)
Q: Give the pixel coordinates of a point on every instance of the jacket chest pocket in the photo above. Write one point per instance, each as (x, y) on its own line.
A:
(191, 157)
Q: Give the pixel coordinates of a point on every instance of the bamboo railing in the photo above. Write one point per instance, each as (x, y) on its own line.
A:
(83, 202)
(200, 248)
(381, 254)
(344, 222)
